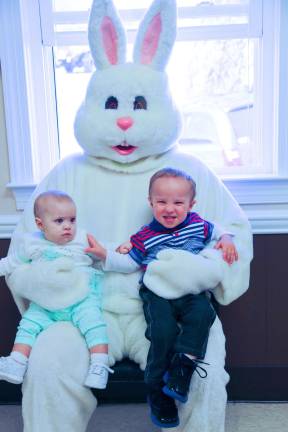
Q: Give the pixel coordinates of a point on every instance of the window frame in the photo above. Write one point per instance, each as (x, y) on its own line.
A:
(52, 18)
(29, 101)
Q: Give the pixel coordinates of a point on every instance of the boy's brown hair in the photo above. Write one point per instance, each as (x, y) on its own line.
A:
(173, 172)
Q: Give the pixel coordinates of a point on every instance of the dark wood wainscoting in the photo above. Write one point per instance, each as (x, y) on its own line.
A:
(256, 327)
(9, 318)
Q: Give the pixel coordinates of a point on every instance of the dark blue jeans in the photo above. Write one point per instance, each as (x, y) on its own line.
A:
(174, 326)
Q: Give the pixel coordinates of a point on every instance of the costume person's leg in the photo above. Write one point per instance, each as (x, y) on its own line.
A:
(54, 398)
(205, 409)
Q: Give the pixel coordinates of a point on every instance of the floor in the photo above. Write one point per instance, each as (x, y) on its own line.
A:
(241, 417)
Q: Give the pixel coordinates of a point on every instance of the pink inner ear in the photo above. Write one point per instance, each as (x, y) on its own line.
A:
(109, 39)
(151, 40)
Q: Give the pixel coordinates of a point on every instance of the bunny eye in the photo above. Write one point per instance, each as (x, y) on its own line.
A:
(111, 103)
(140, 103)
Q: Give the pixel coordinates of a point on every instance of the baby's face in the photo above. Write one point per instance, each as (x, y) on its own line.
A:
(171, 200)
(58, 221)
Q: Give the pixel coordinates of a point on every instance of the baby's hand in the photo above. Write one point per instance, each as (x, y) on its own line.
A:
(124, 248)
(95, 248)
(229, 251)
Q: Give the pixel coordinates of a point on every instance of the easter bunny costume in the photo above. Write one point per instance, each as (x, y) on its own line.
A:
(128, 128)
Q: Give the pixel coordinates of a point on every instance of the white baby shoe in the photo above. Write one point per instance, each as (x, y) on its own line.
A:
(97, 376)
(12, 370)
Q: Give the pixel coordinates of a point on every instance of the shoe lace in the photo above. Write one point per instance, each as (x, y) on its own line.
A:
(99, 368)
(201, 371)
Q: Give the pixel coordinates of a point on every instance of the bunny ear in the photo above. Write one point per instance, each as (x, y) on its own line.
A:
(156, 34)
(106, 35)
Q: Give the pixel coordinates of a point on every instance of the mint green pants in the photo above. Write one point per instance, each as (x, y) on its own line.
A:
(85, 315)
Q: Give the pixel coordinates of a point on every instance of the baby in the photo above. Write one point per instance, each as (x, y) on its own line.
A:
(175, 351)
(60, 242)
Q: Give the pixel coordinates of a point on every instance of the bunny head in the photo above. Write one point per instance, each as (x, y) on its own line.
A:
(128, 112)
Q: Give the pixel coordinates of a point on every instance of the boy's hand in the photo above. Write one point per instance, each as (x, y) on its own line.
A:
(229, 251)
(95, 248)
(124, 248)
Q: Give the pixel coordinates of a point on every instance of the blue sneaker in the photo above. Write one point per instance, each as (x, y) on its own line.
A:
(164, 413)
(178, 377)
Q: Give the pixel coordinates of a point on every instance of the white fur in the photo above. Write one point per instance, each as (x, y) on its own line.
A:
(52, 282)
(167, 11)
(110, 192)
(114, 217)
(199, 273)
(46, 398)
(206, 271)
(100, 10)
(154, 130)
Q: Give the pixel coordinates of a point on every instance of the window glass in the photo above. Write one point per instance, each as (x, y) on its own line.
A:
(215, 95)
(214, 82)
(73, 68)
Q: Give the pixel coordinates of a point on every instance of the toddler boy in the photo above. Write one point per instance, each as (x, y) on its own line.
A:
(178, 329)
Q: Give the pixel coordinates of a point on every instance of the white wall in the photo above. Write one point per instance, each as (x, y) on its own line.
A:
(7, 203)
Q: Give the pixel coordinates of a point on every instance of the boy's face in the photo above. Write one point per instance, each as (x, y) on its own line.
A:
(171, 200)
(57, 220)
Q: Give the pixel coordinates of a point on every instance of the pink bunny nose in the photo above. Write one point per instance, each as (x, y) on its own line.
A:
(125, 122)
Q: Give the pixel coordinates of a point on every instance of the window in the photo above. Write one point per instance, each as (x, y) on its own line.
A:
(241, 96)
(216, 94)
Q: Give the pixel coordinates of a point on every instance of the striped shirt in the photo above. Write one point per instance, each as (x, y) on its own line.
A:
(192, 235)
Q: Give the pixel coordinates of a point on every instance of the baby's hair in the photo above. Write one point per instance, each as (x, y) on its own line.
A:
(176, 173)
(55, 194)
